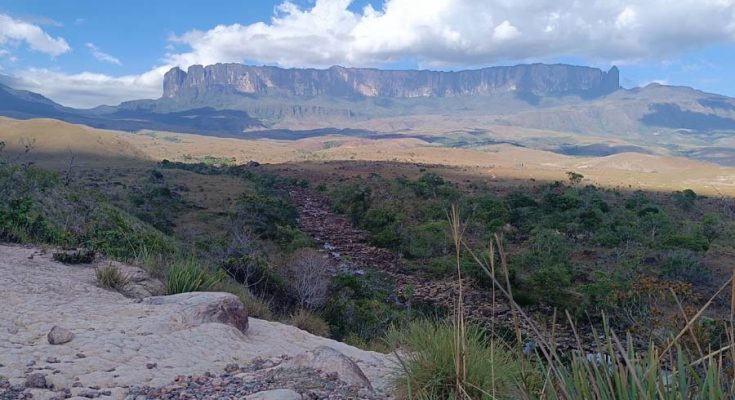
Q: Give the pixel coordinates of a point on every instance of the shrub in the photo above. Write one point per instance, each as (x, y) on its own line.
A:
(110, 277)
(188, 276)
(306, 272)
(429, 364)
(255, 306)
(685, 265)
(75, 257)
(310, 322)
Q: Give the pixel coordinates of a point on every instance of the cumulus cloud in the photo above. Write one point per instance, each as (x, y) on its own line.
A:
(434, 34)
(90, 89)
(465, 32)
(14, 30)
(101, 55)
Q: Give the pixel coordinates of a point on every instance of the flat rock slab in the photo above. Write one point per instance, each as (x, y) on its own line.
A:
(117, 338)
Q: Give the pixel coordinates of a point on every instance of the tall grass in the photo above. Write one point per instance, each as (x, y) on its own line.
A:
(457, 360)
(188, 275)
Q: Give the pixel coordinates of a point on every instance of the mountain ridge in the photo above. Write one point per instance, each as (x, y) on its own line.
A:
(537, 79)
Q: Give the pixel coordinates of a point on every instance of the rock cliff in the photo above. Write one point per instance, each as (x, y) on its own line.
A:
(536, 79)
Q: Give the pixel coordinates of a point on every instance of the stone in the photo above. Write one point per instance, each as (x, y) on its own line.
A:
(277, 394)
(151, 365)
(36, 381)
(331, 361)
(203, 307)
(59, 335)
(138, 283)
(232, 367)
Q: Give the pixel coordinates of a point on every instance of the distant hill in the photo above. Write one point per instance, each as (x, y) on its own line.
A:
(464, 107)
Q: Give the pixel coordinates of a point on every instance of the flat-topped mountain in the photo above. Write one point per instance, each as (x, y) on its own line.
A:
(536, 79)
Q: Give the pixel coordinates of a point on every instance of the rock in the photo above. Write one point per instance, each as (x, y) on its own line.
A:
(59, 335)
(331, 361)
(276, 394)
(138, 283)
(537, 79)
(205, 307)
(151, 365)
(232, 367)
(36, 381)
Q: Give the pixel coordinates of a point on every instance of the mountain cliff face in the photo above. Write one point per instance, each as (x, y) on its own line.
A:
(536, 79)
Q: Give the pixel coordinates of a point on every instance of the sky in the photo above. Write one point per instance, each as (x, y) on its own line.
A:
(84, 53)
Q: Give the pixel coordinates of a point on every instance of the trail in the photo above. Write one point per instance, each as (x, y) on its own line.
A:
(347, 244)
(349, 247)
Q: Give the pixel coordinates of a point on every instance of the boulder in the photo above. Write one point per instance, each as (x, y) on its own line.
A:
(138, 283)
(205, 307)
(276, 394)
(331, 361)
(59, 335)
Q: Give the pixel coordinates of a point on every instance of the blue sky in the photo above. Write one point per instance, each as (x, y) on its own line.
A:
(88, 52)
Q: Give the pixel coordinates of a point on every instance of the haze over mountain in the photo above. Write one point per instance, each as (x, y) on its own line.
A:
(235, 100)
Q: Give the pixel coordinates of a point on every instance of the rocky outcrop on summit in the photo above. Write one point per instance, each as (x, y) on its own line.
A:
(536, 79)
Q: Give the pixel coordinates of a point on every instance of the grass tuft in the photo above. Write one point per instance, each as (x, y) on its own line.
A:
(110, 277)
(310, 322)
(189, 276)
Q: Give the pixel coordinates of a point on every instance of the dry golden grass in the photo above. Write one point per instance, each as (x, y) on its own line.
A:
(55, 141)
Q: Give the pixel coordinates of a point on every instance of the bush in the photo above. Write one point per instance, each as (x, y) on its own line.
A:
(75, 257)
(685, 265)
(307, 321)
(306, 272)
(429, 364)
(255, 306)
(110, 277)
(188, 276)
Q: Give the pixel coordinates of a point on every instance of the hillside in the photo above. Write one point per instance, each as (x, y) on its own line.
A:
(561, 108)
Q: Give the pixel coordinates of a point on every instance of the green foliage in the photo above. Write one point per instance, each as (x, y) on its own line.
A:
(362, 306)
(685, 265)
(429, 364)
(187, 275)
(574, 177)
(684, 199)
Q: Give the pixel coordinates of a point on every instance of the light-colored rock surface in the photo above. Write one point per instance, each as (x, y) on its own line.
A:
(138, 284)
(327, 359)
(278, 394)
(199, 308)
(116, 337)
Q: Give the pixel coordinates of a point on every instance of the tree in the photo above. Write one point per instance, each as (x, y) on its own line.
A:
(306, 272)
(574, 178)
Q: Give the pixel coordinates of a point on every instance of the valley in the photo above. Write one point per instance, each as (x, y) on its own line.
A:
(378, 213)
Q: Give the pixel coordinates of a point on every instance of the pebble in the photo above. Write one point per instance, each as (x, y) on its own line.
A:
(59, 335)
(36, 381)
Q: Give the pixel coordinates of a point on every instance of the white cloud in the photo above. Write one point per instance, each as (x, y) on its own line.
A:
(465, 32)
(102, 56)
(90, 89)
(436, 33)
(14, 30)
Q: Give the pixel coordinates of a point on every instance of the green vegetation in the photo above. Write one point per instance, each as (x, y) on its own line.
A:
(188, 276)
(575, 247)
(490, 369)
